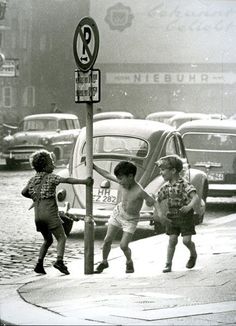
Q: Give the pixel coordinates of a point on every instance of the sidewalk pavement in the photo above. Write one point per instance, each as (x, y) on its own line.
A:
(204, 295)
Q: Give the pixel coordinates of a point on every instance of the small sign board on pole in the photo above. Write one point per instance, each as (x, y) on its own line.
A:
(87, 86)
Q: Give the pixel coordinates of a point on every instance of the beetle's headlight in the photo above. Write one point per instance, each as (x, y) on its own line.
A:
(61, 195)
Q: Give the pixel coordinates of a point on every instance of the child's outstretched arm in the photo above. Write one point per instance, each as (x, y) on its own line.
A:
(149, 199)
(158, 211)
(104, 173)
(88, 181)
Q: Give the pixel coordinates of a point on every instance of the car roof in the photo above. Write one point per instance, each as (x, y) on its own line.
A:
(133, 127)
(189, 115)
(51, 115)
(113, 114)
(162, 114)
(210, 125)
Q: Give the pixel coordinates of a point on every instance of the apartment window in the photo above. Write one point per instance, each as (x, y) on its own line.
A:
(29, 96)
(7, 96)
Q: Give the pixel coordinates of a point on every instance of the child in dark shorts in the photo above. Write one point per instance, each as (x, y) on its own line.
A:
(181, 199)
(42, 189)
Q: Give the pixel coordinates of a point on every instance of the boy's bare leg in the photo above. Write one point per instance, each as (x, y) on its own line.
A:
(111, 233)
(48, 240)
(173, 240)
(124, 245)
(59, 234)
(187, 241)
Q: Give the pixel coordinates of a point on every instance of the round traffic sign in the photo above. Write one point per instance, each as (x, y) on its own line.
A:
(86, 43)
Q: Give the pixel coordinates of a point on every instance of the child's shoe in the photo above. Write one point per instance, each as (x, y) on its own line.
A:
(39, 269)
(101, 267)
(129, 267)
(61, 267)
(191, 262)
(167, 268)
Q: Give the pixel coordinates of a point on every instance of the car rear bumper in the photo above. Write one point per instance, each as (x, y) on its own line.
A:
(221, 190)
(99, 215)
(20, 154)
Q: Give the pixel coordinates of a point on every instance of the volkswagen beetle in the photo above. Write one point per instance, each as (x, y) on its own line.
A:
(211, 147)
(112, 115)
(142, 142)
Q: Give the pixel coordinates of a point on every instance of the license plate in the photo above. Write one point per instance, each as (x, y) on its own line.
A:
(21, 156)
(106, 196)
(215, 176)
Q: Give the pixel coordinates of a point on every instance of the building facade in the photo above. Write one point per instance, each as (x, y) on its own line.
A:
(153, 56)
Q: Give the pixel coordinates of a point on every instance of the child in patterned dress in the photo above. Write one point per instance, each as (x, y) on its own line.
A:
(42, 189)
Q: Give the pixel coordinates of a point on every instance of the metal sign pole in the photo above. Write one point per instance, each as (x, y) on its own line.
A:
(89, 224)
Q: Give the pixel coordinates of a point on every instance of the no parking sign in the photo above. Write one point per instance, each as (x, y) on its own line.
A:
(86, 43)
(85, 48)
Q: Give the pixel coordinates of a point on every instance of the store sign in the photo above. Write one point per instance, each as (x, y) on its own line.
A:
(10, 68)
(87, 86)
(190, 78)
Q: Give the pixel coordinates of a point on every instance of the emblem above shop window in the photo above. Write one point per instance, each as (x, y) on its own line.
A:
(119, 17)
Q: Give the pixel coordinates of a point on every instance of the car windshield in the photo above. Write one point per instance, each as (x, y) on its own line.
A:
(119, 145)
(40, 125)
(209, 141)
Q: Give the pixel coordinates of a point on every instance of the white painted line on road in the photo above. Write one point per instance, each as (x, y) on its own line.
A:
(177, 312)
(158, 295)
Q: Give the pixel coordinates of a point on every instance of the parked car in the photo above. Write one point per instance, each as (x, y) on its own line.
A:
(55, 132)
(233, 117)
(220, 116)
(162, 116)
(211, 147)
(112, 115)
(142, 142)
(181, 118)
